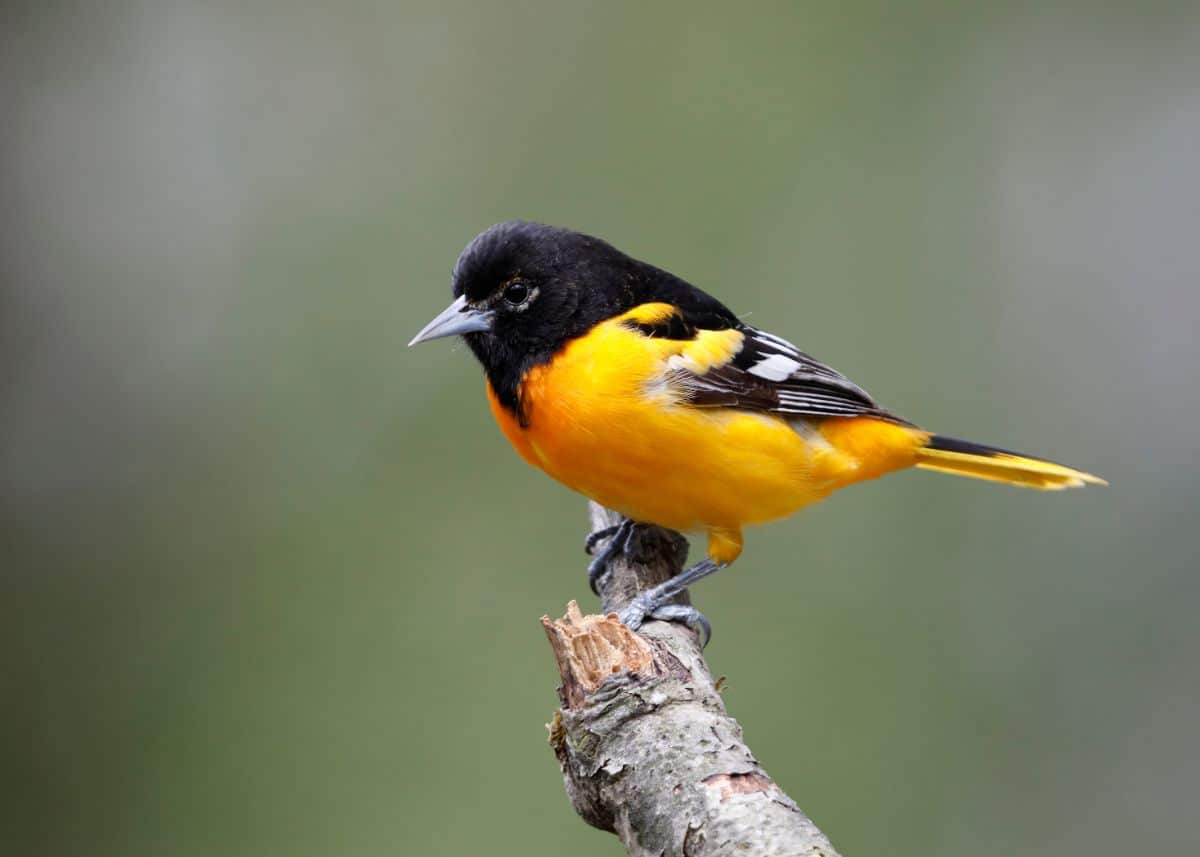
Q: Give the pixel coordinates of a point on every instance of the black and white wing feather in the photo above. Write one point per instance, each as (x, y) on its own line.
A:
(771, 374)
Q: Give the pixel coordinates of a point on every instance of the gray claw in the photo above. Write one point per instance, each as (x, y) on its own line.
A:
(634, 613)
(593, 539)
(640, 609)
(689, 616)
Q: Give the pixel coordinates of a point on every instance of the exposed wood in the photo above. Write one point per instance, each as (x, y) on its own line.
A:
(590, 649)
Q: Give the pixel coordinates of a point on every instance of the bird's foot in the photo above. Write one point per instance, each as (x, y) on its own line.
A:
(636, 612)
(655, 603)
(618, 542)
(593, 539)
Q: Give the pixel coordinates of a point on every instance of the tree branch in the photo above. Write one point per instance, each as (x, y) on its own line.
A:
(646, 747)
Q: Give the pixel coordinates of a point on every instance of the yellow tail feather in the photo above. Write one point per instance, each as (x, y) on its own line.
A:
(962, 458)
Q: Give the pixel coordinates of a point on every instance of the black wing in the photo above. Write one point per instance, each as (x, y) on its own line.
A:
(771, 374)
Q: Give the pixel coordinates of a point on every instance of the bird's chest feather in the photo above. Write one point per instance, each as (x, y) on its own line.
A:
(601, 402)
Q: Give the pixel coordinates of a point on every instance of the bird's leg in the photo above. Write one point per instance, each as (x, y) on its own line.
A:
(653, 603)
(619, 541)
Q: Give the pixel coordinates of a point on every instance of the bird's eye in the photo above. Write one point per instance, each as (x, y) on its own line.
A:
(516, 293)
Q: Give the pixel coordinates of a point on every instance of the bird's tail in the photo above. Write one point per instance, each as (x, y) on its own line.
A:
(963, 458)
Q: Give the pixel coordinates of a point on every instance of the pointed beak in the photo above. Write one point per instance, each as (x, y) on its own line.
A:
(456, 319)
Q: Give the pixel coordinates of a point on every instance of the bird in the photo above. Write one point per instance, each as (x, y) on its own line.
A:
(640, 391)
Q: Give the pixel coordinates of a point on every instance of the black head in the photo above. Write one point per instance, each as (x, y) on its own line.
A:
(544, 286)
(523, 290)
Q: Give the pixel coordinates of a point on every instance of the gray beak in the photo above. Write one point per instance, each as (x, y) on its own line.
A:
(458, 318)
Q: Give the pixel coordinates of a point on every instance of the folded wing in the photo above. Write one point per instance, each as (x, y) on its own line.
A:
(770, 374)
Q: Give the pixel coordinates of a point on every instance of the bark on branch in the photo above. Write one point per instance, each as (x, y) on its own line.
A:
(646, 747)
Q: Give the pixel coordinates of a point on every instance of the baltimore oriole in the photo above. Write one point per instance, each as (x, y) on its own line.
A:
(642, 392)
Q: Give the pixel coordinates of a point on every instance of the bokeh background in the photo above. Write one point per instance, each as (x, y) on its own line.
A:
(270, 582)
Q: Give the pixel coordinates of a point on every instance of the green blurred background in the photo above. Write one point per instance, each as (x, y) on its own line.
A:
(270, 582)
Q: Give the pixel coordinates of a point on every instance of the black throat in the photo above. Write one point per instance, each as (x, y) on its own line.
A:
(505, 371)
